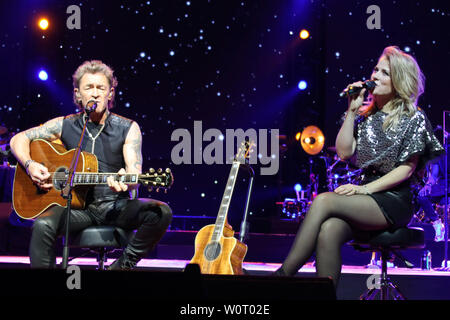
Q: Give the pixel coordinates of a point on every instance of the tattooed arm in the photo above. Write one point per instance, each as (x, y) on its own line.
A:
(132, 152)
(20, 147)
(133, 159)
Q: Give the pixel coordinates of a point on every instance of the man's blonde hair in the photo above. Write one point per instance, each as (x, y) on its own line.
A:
(95, 66)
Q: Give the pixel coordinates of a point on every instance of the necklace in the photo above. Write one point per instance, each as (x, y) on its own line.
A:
(90, 135)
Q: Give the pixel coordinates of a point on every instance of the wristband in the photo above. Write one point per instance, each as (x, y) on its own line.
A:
(27, 164)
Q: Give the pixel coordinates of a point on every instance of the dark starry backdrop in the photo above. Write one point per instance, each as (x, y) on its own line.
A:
(231, 64)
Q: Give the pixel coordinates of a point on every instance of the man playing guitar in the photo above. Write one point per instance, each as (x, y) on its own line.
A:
(116, 142)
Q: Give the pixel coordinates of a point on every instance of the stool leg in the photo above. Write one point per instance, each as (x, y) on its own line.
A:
(384, 285)
(369, 294)
(101, 259)
(388, 288)
(366, 295)
(396, 293)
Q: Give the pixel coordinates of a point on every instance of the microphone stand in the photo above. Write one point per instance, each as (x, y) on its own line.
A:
(66, 192)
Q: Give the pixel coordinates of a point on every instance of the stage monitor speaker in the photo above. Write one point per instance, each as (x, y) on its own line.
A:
(162, 286)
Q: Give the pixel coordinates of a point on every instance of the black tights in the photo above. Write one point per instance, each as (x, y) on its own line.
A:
(327, 226)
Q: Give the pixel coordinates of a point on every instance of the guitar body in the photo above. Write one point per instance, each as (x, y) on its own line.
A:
(28, 200)
(216, 249)
(230, 252)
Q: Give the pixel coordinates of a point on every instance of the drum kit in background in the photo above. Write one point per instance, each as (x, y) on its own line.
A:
(436, 197)
(337, 171)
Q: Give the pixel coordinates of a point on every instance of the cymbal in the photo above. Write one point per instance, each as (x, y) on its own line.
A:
(312, 140)
(3, 130)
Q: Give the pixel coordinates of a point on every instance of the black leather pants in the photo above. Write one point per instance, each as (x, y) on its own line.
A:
(150, 217)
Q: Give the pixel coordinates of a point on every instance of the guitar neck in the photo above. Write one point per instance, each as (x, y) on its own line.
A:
(225, 203)
(100, 178)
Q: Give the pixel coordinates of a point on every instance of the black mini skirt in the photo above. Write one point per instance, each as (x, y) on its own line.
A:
(395, 203)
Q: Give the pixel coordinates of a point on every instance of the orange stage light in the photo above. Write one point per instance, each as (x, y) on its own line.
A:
(43, 24)
(312, 140)
(304, 34)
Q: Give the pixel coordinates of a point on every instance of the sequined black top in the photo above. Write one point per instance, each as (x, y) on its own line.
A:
(386, 150)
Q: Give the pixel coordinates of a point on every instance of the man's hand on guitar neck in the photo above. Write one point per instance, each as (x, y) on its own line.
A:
(117, 186)
(39, 175)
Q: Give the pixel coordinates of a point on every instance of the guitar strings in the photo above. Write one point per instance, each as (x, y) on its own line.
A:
(128, 178)
(62, 176)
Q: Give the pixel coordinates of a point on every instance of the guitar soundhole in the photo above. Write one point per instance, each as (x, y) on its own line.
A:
(212, 251)
(60, 178)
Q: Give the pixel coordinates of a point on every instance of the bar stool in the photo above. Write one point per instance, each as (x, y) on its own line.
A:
(101, 240)
(387, 242)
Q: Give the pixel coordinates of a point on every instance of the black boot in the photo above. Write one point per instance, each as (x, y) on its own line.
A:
(125, 262)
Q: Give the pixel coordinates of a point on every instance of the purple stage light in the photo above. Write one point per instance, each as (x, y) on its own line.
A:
(302, 84)
(43, 75)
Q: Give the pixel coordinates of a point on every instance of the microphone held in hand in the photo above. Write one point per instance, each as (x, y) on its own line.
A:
(351, 90)
(90, 106)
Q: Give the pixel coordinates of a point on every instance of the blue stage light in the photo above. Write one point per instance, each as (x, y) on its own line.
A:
(302, 84)
(43, 75)
(298, 187)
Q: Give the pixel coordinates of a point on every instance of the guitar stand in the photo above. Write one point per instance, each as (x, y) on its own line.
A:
(244, 225)
(66, 193)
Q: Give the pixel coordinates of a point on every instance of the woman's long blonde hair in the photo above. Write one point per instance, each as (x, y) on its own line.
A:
(408, 83)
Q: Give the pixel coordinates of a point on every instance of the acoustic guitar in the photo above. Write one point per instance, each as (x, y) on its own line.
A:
(29, 201)
(216, 249)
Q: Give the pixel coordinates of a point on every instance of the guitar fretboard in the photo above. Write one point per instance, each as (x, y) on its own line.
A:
(225, 203)
(100, 178)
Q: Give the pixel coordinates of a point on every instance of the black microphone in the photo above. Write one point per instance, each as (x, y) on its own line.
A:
(368, 84)
(90, 106)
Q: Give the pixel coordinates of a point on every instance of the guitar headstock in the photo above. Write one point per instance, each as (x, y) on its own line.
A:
(244, 151)
(158, 179)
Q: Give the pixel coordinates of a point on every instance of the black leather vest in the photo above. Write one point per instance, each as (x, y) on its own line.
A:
(107, 146)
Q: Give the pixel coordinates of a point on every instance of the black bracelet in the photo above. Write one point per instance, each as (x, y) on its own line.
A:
(27, 164)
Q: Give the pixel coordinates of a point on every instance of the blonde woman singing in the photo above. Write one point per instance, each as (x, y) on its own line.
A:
(391, 139)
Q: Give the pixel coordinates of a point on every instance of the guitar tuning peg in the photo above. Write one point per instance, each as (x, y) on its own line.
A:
(157, 189)
(152, 170)
(167, 170)
(159, 170)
